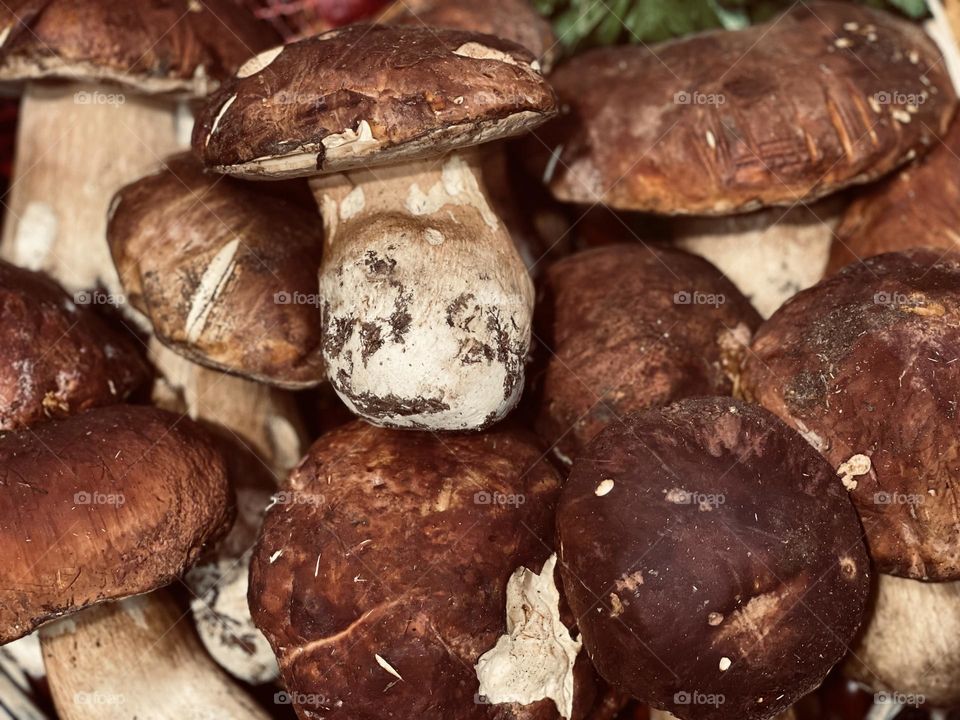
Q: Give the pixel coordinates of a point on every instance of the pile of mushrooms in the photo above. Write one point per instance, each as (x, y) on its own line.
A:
(306, 409)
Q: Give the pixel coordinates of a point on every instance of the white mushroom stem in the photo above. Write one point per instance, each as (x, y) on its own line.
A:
(428, 306)
(77, 144)
(910, 646)
(770, 255)
(137, 658)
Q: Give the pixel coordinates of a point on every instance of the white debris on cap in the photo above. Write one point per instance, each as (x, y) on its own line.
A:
(213, 281)
(604, 487)
(387, 666)
(350, 142)
(219, 117)
(857, 465)
(535, 659)
(725, 664)
(259, 62)
(481, 52)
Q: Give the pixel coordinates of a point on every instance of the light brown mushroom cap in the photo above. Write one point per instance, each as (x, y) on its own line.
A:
(226, 274)
(369, 95)
(150, 46)
(826, 96)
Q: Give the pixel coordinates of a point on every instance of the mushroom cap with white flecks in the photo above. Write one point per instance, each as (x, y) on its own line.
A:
(365, 95)
(183, 47)
(827, 95)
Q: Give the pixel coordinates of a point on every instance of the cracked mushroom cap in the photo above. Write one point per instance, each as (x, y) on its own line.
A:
(917, 207)
(384, 578)
(58, 358)
(515, 20)
(152, 46)
(708, 550)
(629, 327)
(114, 502)
(826, 96)
(226, 274)
(368, 95)
(866, 365)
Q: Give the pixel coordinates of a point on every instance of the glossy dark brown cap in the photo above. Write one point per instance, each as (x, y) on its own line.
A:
(713, 559)
(828, 95)
(114, 502)
(917, 207)
(226, 273)
(866, 365)
(628, 327)
(152, 46)
(366, 95)
(389, 557)
(57, 356)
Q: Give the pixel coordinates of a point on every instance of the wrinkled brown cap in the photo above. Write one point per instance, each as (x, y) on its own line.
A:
(153, 46)
(709, 551)
(630, 327)
(58, 357)
(369, 95)
(866, 365)
(400, 545)
(917, 207)
(828, 95)
(226, 274)
(515, 20)
(110, 503)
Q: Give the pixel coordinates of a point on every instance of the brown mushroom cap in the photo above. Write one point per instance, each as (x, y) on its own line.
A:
(630, 327)
(390, 556)
(917, 207)
(366, 95)
(866, 365)
(709, 551)
(515, 20)
(110, 503)
(152, 46)
(58, 358)
(825, 96)
(226, 274)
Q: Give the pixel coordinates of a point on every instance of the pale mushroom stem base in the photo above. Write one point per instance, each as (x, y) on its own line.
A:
(427, 304)
(77, 144)
(137, 658)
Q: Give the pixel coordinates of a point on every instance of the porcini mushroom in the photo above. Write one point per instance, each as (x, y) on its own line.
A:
(826, 96)
(410, 575)
(917, 207)
(147, 485)
(59, 357)
(426, 303)
(628, 327)
(119, 67)
(866, 366)
(226, 275)
(714, 519)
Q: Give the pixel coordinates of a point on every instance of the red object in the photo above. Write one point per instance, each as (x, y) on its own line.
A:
(299, 18)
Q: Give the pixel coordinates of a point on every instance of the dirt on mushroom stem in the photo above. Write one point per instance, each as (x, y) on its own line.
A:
(427, 304)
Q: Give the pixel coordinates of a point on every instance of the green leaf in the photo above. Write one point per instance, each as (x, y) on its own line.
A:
(911, 8)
